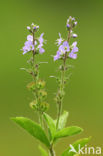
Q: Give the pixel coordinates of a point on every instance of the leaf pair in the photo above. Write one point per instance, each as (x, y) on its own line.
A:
(68, 152)
(36, 130)
(61, 132)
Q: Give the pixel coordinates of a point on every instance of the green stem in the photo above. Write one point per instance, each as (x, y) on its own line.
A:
(51, 151)
(62, 83)
(59, 113)
(34, 46)
(61, 92)
(36, 77)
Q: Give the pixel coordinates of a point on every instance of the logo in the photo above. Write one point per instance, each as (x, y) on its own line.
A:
(85, 150)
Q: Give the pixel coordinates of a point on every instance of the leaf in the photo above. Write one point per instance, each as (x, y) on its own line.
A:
(69, 131)
(51, 124)
(33, 128)
(62, 120)
(81, 142)
(43, 151)
(49, 134)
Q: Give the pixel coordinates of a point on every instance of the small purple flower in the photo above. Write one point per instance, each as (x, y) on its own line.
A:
(74, 50)
(62, 50)
(68, 25)
(28, 47)
(59, 41)
(40, 46)
(73, 19)
(30, 38)
(66, 46)
(41, 40)
(31, 43)
(57, 56)
(41, 50)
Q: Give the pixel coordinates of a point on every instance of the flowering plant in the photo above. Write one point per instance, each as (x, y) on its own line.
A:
(49, 131)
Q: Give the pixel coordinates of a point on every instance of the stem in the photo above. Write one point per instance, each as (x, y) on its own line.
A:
(36, 79)
(34, 45)
(62, 83)
(52, 153)
(61, 91)
(59, 113)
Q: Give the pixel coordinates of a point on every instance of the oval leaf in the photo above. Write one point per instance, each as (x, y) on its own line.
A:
(69, 131)
(33, 128)
(62, 120)
(51, 124)
(75, 146)
(43, 151)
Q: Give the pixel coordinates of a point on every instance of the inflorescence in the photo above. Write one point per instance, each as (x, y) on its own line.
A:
(64, 47)
(34, 44)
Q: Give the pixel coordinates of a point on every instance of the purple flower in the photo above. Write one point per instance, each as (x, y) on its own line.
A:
(57, 56)
(41, 40)
(62, 50)
(65, 47)
(41, 50)
(74, 50)
(73, 19)
(30, 43)
(30, 38)
(59, 41)
(68, 25)
(28, 47)
(40, 46)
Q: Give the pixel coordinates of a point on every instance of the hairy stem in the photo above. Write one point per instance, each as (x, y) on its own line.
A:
(62, 83)
(36, 77)
(34, 46)
(61, 92)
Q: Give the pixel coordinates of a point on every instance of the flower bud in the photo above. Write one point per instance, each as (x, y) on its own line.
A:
(40, 84)
(44, 107)
(31, 86)
(28, 28)
(33, 105)
(43, 94)
(74, 35)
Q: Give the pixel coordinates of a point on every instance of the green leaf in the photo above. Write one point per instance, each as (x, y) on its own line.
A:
(62, 120)
(81, 142)
(43, 151)
(33, 128)
(69, 131)
(49, 134)
(51, 124)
